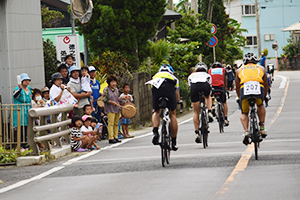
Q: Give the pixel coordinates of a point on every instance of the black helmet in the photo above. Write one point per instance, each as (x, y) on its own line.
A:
(250, 58)
(216, 65)
(55, 76)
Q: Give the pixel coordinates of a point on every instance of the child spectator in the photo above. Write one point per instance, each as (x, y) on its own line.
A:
(85, 84)
(126, 97)
(87, 130)
(45, 94)
(87, 109)
(79, 142)
(97, 127)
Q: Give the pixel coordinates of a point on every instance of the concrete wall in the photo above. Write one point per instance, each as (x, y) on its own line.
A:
(21, 47)
(291, 64)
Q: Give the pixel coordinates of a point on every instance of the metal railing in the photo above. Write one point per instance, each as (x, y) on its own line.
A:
(13, 135)
(44, 132)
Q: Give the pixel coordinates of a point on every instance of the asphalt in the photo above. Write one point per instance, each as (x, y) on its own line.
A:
(225, 170)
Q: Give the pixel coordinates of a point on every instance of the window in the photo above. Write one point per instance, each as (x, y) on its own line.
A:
(251, 40)
(248, 10)
(269, 37)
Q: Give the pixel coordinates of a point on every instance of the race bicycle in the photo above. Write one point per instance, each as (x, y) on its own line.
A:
(203, 120)
(165, 143)
(220, 115)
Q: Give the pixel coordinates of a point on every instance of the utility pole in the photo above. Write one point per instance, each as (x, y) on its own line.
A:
(257, 27)
(172, 8)
(72, 21)
(209, 18)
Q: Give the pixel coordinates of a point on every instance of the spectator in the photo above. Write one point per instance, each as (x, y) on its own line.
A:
(126, 97)
(63, 70)
(22, 95)
(45, 93)
(87, 109)
(97, 127)
(75, 86)
(37, 100)
(111, 108)
(95, 86)
(230, 78)
(57, 88)
(79, 142)
(263, 60)
(85, 84)
(86, 129)
(69, 61)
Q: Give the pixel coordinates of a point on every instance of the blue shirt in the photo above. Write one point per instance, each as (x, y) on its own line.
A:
(96, 92)
(262, 61)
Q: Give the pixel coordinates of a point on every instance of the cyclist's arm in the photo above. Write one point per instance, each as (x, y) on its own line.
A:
(225, 84)
(177, 95)
(237, 83)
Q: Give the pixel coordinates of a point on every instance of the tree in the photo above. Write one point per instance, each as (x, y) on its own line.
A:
(123, 26)
(50, 18)
(50, 61)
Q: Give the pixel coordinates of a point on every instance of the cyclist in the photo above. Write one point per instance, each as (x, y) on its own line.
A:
(270, 70)
(251, 73)
(167, 85)
(200, 81)
(219, 84)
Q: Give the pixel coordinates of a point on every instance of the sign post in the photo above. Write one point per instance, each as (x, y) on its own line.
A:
(213, 41)
(65, 45)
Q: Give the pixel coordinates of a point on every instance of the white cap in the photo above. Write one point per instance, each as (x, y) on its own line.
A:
(92, 68)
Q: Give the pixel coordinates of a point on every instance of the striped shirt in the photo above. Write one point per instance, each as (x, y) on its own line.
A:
(76, 133)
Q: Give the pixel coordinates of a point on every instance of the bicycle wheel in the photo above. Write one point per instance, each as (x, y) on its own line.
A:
(168, 146)
(203, 128)
(254, 134)
(220, 118)
(163, 143)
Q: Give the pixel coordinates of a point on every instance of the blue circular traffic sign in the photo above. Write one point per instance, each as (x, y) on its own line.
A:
(213, 29)
(213, 41)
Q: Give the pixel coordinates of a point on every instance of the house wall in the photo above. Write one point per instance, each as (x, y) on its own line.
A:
(21, 47)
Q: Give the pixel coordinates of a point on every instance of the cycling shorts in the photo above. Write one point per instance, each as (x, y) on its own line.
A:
(167, 89)
(244, 103)
(197, 88)
(220, 90)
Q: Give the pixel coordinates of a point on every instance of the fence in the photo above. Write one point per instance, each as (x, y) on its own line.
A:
(13, 126)
(43, 132)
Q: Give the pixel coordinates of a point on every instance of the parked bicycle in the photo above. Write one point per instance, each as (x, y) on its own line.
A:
(165, 143)
(220, 115)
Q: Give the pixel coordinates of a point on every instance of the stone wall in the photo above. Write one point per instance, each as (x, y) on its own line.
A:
(291, 64)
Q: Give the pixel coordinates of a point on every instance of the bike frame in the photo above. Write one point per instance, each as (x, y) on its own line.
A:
(255, 135)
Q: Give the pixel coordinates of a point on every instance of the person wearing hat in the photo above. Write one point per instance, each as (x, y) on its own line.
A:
(57, 88)
(21, 96)
(75, 87)
(45, 93)
(95, 86)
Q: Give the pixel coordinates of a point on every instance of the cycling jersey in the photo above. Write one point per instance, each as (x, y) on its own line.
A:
(167, 75)
(251, 72)
(199, 77)
(218, 76)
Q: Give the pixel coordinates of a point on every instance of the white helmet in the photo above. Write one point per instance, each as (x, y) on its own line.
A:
(250, 57)
(166, 67)
(201, 65)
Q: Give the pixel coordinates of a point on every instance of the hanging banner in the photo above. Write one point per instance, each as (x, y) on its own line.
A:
(65, 45)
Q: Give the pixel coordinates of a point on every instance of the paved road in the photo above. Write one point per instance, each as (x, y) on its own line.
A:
(225, 170)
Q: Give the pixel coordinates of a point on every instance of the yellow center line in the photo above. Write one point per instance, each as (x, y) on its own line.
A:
(1, 181)
(246, 155)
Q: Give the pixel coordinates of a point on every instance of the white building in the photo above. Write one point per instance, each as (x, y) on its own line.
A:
(21, 45)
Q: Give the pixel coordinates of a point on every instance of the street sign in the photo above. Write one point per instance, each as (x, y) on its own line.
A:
(213, 41)
(65, 45)
(213, 29)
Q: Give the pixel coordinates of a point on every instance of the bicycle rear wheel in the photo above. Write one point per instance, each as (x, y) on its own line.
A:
(220, 118)
(203, 129)
(254, 134)
(165, 145)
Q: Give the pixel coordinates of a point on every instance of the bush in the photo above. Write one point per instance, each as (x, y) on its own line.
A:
(50, 61)
(185, 91)
(7, 156)
(291, 49)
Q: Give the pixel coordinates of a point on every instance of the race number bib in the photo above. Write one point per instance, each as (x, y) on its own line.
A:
(252, 88)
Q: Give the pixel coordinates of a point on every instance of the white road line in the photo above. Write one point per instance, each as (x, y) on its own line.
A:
(283, 81)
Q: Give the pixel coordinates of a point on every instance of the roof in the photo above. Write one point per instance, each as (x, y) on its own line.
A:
(171, 15)
(293, 27)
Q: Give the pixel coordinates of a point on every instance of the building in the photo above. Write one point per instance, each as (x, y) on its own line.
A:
(21, 45)
(274, 15)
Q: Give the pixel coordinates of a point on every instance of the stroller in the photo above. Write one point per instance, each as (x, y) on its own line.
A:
(104, 136)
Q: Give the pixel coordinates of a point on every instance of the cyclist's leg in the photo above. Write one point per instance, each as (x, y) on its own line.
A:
(196, 107)
(245, 117)
(261, 112)
(155, 124)
(194, 92)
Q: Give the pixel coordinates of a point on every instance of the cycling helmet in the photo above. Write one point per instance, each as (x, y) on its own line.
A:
(250, 57)
(200, 65)
(216, 65)
(167, 68)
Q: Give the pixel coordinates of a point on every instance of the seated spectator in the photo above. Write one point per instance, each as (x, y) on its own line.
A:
(97, 127)
(86, 129)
